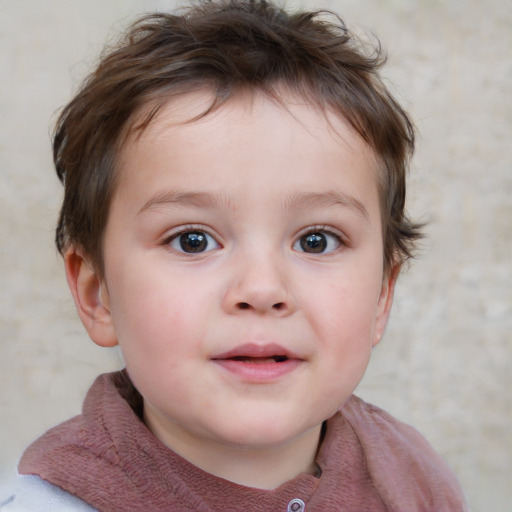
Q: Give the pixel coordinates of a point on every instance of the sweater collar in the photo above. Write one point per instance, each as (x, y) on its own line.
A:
(110, 459)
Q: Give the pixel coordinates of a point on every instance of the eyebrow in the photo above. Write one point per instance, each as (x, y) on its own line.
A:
(326, 200)
(199, 199)
(297, 201)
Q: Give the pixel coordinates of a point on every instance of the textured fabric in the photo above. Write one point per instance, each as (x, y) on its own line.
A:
(32, 494)
(369, 462)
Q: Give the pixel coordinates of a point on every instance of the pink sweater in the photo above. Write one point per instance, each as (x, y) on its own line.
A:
(369, 462)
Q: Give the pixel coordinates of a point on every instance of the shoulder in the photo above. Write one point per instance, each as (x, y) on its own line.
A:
(401, 462)
(395, 439)
(372, 424)
(32, 494)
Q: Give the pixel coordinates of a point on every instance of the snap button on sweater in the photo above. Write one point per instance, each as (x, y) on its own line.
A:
(296, 505)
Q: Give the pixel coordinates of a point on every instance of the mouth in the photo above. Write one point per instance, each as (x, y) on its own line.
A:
(258, 363)
(254, 353)
(259, 360)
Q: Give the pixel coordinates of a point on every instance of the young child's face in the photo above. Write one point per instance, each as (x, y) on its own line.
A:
(244, 270)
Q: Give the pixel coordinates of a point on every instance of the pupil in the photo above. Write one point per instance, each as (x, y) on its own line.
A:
(193, 242)
(314, 242)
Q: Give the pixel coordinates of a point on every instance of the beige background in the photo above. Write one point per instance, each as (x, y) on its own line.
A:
(445, 362)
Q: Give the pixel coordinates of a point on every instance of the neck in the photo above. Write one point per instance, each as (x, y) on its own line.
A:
(263, 467)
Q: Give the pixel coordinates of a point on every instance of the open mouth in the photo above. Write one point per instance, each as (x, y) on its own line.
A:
(259, 369)
(262, 360)
(253, 353)
(258, 363)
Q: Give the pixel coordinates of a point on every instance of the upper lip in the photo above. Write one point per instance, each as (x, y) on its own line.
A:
(255, 350)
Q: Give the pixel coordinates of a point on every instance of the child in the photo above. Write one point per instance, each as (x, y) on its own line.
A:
(234, 220)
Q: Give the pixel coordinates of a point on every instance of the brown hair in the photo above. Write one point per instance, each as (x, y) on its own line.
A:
(228, 46)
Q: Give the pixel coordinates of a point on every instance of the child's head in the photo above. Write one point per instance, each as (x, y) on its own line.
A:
(229, 48)
(234, 220)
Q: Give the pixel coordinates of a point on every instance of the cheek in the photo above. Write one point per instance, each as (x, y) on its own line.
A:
(163, 315)
(159, 336)
(344, 329)
(342, 305)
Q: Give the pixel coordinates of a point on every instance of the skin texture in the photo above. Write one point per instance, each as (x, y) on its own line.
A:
(253, 180)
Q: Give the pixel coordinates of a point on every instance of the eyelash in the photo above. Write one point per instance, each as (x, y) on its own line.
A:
(311, 230)
(324, 230)
(189, 229)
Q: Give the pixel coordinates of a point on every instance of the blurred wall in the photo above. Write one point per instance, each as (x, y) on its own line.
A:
(444, 363)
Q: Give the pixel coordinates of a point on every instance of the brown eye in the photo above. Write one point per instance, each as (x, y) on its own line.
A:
(313, 242)
(318, 242)
(193, 242)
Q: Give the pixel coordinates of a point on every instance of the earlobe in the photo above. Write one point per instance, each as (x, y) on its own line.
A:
(91, 298)
(385, 303)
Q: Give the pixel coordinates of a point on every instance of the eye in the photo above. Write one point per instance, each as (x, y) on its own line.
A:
(318, 242)
(193, 241)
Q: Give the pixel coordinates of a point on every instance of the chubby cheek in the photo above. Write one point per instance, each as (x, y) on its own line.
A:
(343, 319)
(158, 343)
(343, 310)
(158, 319)
(342, 367)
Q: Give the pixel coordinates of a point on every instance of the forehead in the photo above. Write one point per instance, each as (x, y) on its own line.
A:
(252, 131)
(198, 107)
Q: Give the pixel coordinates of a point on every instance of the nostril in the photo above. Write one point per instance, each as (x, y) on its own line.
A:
(278, 306)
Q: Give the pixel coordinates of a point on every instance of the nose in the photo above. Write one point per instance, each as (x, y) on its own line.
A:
(260, 286)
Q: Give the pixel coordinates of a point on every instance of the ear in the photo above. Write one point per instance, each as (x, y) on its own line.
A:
(385, 303)
(91, 298)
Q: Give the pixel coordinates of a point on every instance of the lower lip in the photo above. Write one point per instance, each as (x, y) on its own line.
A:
(258, 372)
